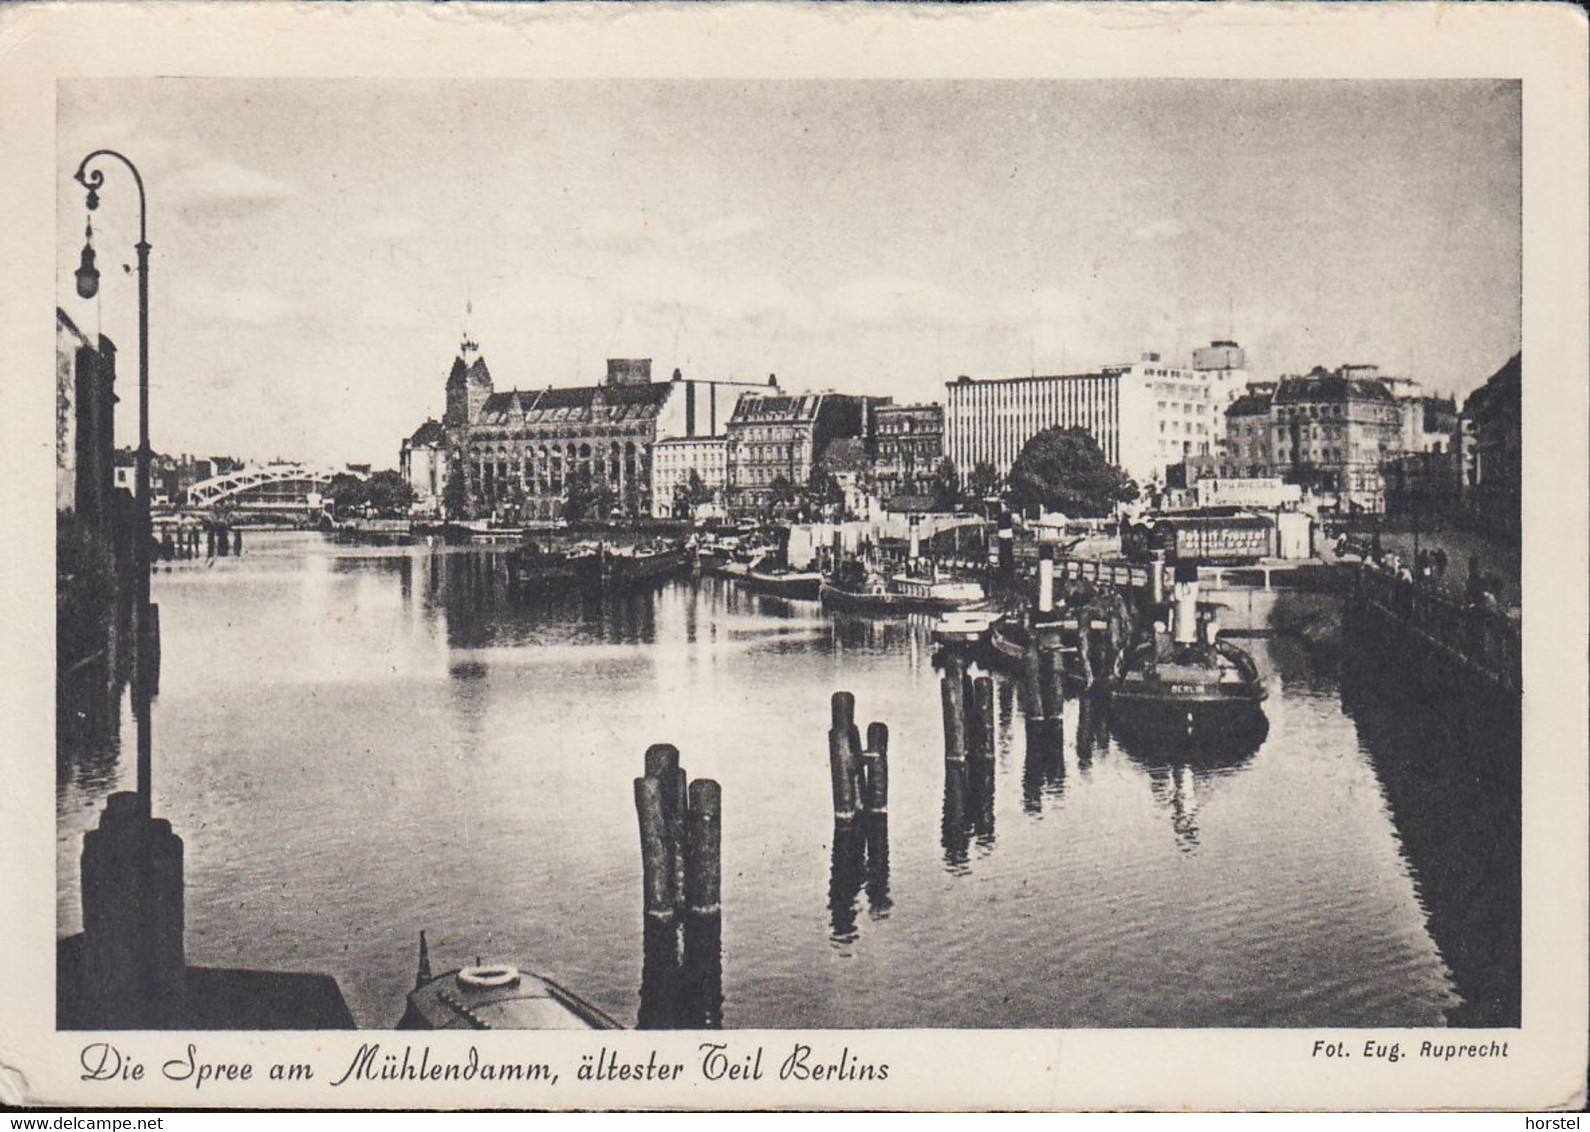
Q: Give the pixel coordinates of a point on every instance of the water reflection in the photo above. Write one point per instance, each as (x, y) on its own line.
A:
(968, 812)
(1043, 772)
(1182, 767)
(508, 729)
(858, 861)
(1451, 782)
(845, 878)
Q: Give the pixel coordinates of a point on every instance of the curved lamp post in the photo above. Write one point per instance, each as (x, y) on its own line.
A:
(88, 286)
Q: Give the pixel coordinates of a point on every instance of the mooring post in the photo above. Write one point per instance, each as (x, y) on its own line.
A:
(704, 861)
(953, 827)
(655, 860)
(659, 976)
(875, 762)
(982, 743)
(701, 974)
(662, 763)
(953, 692)
(1031, 681)
(844, 756)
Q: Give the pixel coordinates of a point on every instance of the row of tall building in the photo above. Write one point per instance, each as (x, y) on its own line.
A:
(659, 447)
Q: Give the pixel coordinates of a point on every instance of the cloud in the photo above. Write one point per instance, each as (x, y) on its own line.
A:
(883, 299)
(247, 304)
(630, 230)
(730, 227)
(1166, 228)
(386, 228)
(218, 180)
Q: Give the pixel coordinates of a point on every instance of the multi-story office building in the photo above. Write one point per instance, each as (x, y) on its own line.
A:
(1145, 416)
(781, 437)
(1335, 433)
(908, 448)
(675, 459)
(515, 453)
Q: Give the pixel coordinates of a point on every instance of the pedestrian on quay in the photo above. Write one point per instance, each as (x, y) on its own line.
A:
(1438, 557)
(1475, 588)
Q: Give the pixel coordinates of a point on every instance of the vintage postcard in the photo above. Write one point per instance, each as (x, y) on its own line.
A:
(781, 556)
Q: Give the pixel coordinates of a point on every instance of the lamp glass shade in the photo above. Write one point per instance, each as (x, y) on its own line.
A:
(87, 274)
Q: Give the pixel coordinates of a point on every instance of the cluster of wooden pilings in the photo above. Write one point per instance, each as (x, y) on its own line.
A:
(969, 745)
(860, 776)
(681, 832)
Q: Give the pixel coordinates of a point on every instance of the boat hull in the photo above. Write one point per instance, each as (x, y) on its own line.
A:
(1155, 714)
(796, 587)
(850, 601)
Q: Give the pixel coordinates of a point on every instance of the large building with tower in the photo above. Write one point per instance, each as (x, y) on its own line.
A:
(514, 454)
(1146, 416)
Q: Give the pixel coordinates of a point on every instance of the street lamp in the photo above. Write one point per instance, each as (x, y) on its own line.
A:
(88, 287)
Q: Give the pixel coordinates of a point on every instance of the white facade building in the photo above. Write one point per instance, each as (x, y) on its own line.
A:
(672, 461)
(1145, 416)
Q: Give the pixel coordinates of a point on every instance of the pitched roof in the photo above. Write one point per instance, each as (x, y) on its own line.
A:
(576, 403)
(1250, 405)
(785, 407)
(428, 435)
(1319, 386)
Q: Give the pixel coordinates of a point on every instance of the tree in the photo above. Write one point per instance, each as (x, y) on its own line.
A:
(823, 491)
(588, 497)
(455, 494)
(984, 482)
(1063, 469)
(347, 493)
(690, 495)
(388, 494)
(780, 493)
(946, 486)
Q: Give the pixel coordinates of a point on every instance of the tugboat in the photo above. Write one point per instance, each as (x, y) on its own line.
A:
(534, 567)
(856, 589)
(1183, 683)
(765, 577)
(497, 997)
(634, 565)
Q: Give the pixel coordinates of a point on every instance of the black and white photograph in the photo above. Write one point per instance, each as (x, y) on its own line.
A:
(822, 556)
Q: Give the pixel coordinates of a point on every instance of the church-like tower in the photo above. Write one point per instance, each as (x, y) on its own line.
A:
(468, 385)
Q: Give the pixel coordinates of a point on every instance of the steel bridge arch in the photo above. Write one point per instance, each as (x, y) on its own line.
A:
(275, 486)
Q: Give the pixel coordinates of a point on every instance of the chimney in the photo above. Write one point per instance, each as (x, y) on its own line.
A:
(628, 371)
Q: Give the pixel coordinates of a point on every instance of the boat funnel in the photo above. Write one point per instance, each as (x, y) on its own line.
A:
(1185, 595)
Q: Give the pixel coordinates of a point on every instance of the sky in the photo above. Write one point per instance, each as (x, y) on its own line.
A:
(315, 242)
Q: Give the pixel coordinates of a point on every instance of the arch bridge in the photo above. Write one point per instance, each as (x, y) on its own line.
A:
(276, 488)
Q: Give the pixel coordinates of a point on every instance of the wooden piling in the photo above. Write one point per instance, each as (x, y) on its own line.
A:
(842, 708)
(981, 745)
(660, 990)
(1031, 682)
(656, 862)
(701, 975)
(953, 694)
(662, 763)
(845, 770)
(704, 860)
(875, 764)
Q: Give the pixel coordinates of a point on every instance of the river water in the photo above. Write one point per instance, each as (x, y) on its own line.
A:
(359, 743)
